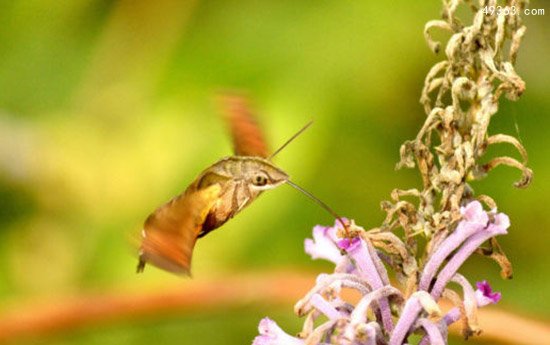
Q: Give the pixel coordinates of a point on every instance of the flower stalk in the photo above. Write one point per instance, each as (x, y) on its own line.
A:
(460, 96)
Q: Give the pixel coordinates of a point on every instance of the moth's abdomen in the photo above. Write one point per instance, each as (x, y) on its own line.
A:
(234, 197)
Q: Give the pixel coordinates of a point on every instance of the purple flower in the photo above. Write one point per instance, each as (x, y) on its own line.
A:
(318, 302)
(473, 213)
(272, 334)
(370, 267)
(366, 260)
(349, 244)
(323, 245)
(467, 249)
(501, 220)
(359, 267)
(485, 294)
(474, 220)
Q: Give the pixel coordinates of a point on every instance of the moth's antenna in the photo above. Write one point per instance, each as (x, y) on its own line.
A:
(319, 202)
(290, 140)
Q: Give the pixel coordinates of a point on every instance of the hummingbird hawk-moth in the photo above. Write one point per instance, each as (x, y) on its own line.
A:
(215, 196)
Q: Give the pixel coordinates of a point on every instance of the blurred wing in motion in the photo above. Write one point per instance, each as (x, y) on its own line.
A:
(170, 233)
(248, 139)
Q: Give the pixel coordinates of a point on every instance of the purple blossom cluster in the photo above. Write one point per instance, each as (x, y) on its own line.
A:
(384, 314)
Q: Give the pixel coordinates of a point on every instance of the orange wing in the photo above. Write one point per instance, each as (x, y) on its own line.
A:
(248, 139)
(170, 233)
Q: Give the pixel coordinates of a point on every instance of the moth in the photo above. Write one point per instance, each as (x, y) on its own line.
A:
(219, 193)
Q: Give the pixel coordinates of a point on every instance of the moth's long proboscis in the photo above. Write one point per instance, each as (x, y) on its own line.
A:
(290, 140)
(318, 201)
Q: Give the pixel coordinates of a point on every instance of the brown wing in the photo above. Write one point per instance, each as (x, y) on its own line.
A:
(170, 233)
(248, 139)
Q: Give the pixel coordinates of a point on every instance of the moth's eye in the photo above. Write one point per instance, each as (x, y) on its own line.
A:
(260, 180)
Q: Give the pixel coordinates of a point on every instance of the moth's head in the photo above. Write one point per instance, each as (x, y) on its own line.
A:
(264, 175)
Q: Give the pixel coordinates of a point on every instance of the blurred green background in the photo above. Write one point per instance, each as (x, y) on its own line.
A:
(106, 111)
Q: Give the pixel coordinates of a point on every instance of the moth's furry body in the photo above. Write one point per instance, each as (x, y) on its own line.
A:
(237, 178)
(217, 195)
